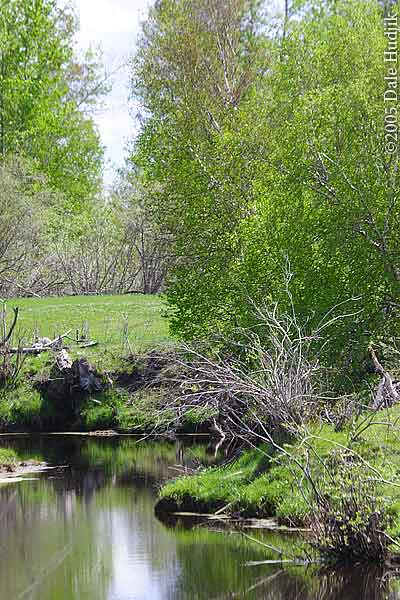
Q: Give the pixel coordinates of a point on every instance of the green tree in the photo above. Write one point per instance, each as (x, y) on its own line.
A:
(296, 170)
(327, 188)
(196, 67)
(42, 110)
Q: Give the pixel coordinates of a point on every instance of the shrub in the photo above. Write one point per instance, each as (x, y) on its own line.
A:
(351, 528)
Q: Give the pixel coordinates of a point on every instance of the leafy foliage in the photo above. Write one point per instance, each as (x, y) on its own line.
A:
(43, 100)
(260, 147)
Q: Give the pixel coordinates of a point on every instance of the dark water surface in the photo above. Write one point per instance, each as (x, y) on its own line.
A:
(88, 532)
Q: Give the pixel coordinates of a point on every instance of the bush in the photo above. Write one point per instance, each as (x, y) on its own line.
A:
(351, 528)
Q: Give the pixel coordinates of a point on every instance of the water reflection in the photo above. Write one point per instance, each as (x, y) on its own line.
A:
(89, 532)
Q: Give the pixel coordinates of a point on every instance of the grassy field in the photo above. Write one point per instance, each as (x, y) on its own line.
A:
(120, 325)
(117, 323)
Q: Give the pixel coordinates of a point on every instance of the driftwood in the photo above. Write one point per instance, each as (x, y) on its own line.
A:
(38, 348)
(42, 345)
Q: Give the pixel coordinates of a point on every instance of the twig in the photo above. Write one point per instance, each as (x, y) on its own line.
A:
(10, 331)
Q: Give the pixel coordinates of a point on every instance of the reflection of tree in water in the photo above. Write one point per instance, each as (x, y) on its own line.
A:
(62, 547)
(213, 565)
(89, 532)
(96, 463)
(52, 527)
(46, 549)
(327, 584)
(93, 463)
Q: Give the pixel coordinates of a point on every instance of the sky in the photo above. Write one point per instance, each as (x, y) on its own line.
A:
(114, 25)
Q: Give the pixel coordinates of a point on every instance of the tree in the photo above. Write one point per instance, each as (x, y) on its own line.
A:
(42, 109)
(195, 69)
(152, 245)
(295, 171)
(24, 200)
(328, 189)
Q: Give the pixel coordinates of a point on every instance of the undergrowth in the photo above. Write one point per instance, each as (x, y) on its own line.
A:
(315, 477)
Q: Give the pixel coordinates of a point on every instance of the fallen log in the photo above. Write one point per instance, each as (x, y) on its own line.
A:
(38, 348)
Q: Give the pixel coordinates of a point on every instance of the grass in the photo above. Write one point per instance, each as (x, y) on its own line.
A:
(216, 487)
(366, 451)
(117, 323)
(120, 324)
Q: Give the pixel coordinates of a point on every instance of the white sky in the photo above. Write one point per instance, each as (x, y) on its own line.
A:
(114, 25)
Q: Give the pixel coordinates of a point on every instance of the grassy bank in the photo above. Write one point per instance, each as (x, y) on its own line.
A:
(275, 484)
(121, 325)
(215, 488)
(8, 459)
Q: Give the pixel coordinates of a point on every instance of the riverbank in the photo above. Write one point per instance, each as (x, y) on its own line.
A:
(134, 399)
(321, 477)
(109, 332)
(339, 480)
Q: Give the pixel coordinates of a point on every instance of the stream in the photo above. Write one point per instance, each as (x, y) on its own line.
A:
(87, 531)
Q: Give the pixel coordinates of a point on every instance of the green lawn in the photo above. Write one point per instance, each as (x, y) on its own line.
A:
(110, 320)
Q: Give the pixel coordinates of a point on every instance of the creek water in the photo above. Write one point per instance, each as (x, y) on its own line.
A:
(88, 532)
